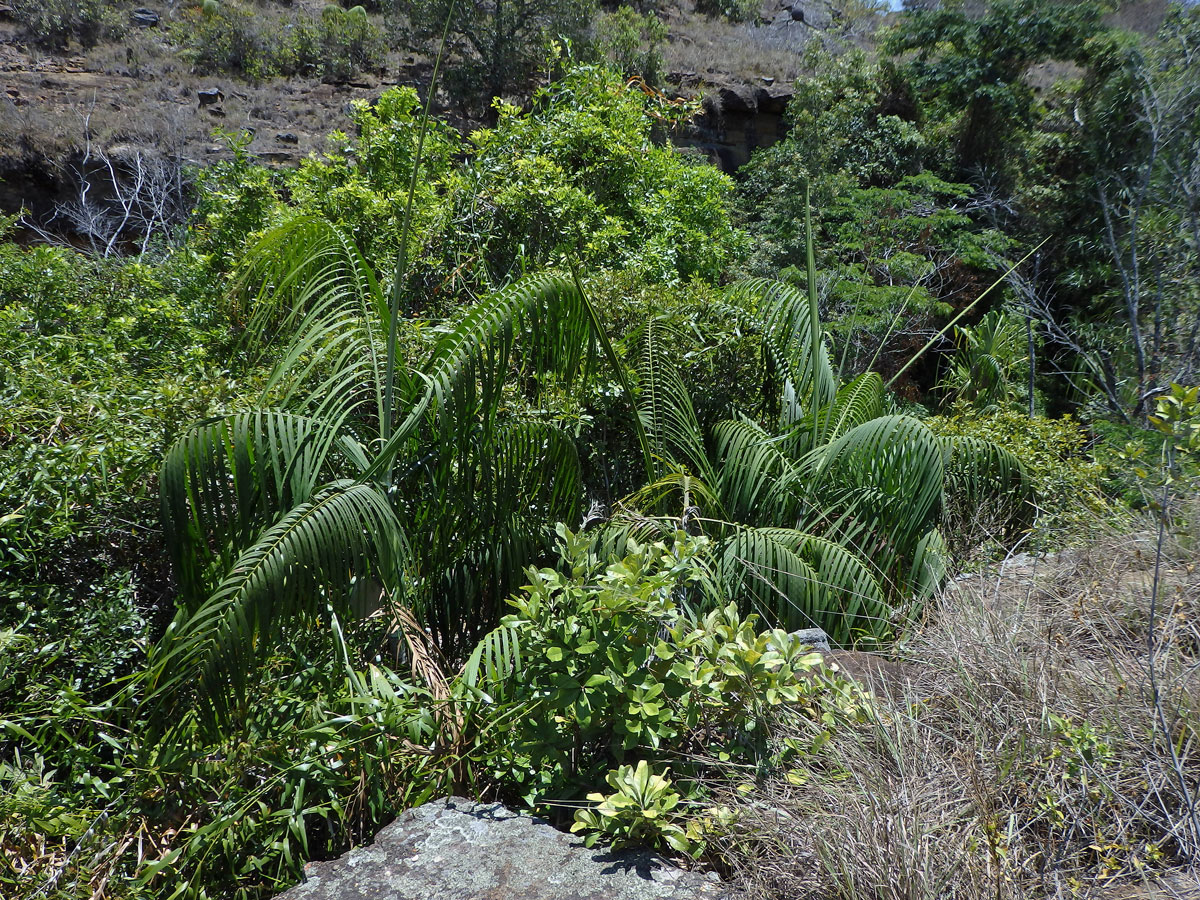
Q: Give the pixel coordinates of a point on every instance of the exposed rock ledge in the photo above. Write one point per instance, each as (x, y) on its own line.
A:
(456, 849)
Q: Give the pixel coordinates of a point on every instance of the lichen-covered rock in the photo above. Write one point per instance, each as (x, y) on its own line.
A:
(813, 637)
(459, 850)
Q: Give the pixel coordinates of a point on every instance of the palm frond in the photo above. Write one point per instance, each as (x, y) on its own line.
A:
(857, 402)
(982, 476)
(297, 262)
(471, 360)
(757, 477)
(487, 513)
(536, 473)
(612, 540)
(311, 286)
(888, 474)
(677, 490)
(929, 566)
(225, 480)
(490, 668)
(782, 314)
(800, 580)
(298, 568)
(665, 409)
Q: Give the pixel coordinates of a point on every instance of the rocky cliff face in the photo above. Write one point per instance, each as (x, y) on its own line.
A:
(738, 120)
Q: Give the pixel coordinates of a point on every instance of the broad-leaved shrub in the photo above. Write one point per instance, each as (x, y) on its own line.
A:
(1066, 478)
(638, 661)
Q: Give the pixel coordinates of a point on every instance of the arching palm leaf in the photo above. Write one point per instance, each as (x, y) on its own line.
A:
(800, 580)
(299, 567)
(227, 479)
(857, 402)
(988, 488)
(896, 464)
(311, 285)
(804, 378)
(496, 514)
(757, 478)
(834, 519)
(250, 526)
(665, 409)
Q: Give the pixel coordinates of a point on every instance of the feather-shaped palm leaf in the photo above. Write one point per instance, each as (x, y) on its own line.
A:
(277, 515)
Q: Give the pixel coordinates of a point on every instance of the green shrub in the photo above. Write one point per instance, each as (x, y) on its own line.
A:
(100, 365)
(335, 47)
(618, 667)
(1066, 478)
(990, 367)
(581, 179)
(321, 759)
(631, 42)
(229, 37)
(226, 37)
(363, 182)
(733, 10)
(54, 23)
(234, 199)
(586, 157)
(644, 810)
(501, 45)
(87, 637)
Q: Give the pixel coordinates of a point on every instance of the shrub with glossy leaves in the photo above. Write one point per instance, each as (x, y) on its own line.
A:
(1067, 481)
(584, 175)
(620, 662)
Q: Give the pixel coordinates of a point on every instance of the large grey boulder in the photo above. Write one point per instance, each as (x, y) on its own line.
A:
(812, 14)
(456, 849)
(144, 18)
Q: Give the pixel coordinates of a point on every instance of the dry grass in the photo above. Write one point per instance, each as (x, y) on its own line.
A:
(716, 52)
(139, 89)
(1025, 758)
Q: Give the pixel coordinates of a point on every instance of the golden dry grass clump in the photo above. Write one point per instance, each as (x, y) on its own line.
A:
(1018, 751)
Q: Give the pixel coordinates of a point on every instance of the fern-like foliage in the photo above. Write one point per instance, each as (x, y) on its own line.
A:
(303, 563)
(413, 480)
(832, 516)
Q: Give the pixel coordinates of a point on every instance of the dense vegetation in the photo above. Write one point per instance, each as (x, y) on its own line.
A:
(509, 462)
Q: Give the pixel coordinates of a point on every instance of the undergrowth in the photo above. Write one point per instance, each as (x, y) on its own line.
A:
(1015, 755)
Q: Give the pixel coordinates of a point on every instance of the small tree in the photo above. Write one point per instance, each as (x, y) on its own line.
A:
(500, 43)
(972, 67)
(1143, 140)
(631, 42)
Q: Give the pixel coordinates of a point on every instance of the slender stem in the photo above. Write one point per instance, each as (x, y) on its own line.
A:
(389, 381)
(887, 335)
(814, 322)
(1186, 792)
(1030, 349)
(841, 372)
(966, 309)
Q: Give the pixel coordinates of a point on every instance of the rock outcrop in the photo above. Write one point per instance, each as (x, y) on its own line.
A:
(456, 849)
(737, 119)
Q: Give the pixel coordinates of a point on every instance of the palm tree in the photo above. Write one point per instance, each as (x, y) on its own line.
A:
(987, 361)
(366, 483)
(829, 513)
